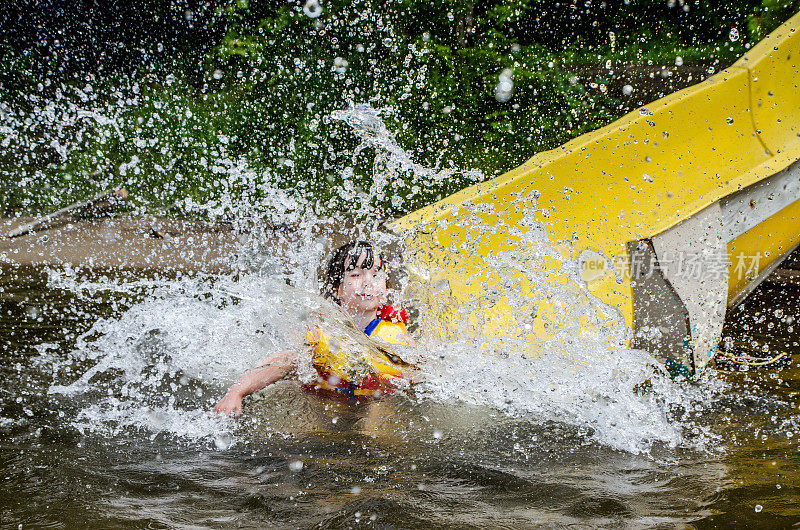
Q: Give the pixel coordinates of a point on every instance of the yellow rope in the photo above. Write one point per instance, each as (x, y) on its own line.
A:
(730, 358)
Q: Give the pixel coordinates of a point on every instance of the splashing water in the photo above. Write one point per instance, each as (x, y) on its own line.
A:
(505, 86)
(618, 396)
(161, 364)
(312, 9)
(155, 364)
(391, 160)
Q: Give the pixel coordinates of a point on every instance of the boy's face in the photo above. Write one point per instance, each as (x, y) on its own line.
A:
(363, 290)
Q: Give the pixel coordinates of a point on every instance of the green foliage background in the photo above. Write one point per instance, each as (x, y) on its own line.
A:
(258, 110)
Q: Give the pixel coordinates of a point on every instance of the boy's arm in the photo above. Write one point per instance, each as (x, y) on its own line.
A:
(271, 369)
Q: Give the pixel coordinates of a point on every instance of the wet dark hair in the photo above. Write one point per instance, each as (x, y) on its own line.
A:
(336, 269)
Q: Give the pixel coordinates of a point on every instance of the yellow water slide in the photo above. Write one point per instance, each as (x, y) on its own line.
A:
(673, 213)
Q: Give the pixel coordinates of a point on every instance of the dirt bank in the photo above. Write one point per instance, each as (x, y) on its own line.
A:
(122, 243)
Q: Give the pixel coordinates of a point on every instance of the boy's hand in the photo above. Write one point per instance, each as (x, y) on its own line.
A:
(229, 405)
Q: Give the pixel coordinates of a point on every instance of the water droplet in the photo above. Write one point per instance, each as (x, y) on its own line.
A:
(222, 441)
(217, 74)
(733, 35)
(679, 61)
(312, 9)
(627, 90)
(648, 159)
(665, 134)
(387, 42)
(759, 508)
(355, 490)
(437, 434)
(340, 65)
(647, 178)
(644, 111)
(505, 86)
(296, 465)
(729, 120)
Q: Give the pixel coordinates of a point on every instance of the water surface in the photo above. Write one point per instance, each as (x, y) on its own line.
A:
(295, 461)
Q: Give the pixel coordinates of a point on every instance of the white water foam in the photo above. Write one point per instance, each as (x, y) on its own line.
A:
(161, 365)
